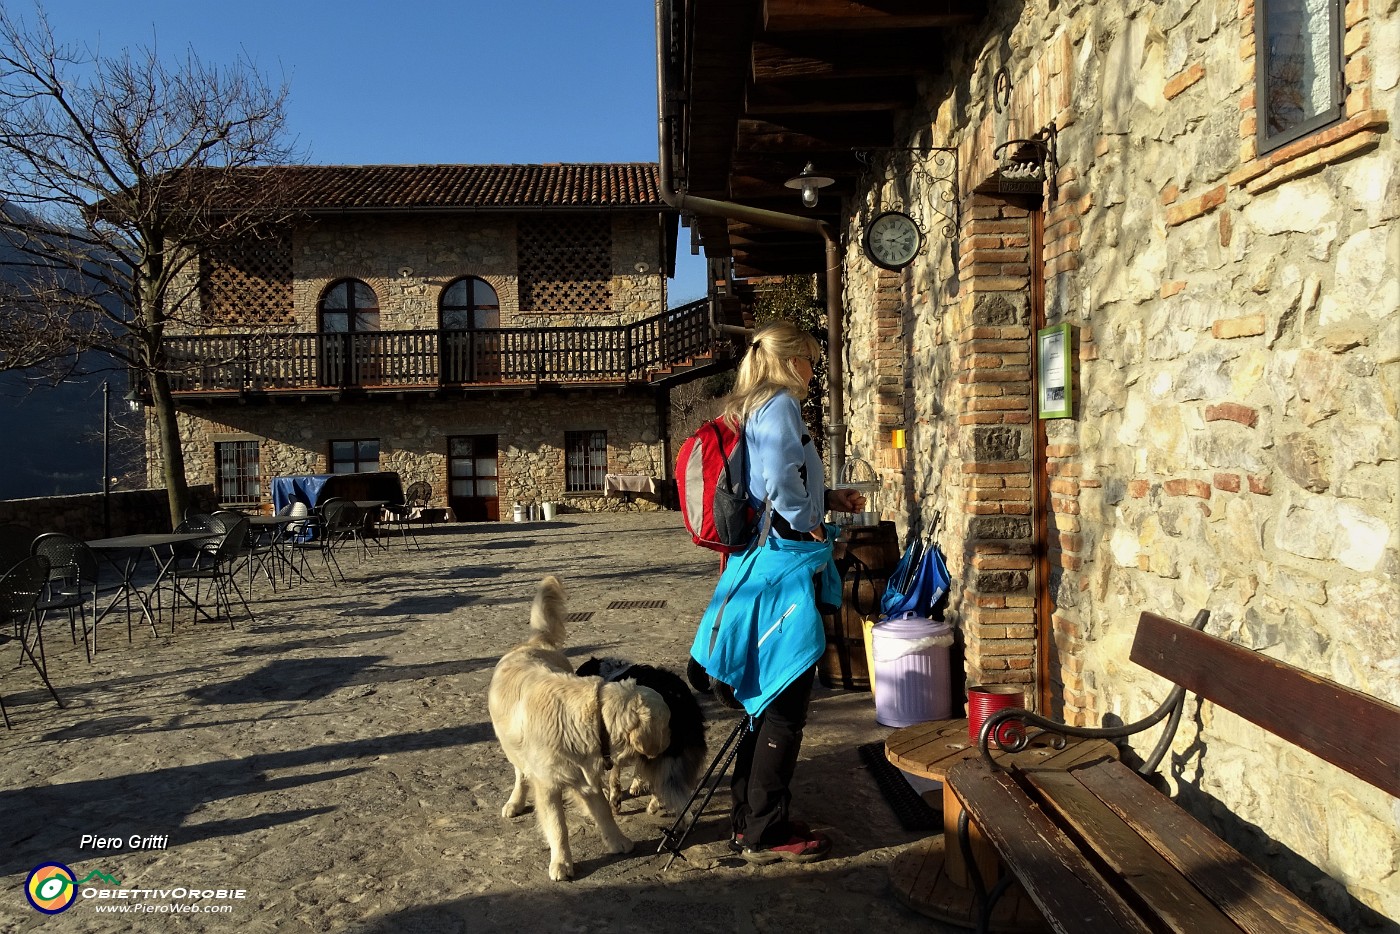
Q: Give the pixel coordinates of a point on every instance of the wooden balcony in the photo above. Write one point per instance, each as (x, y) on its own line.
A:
(662, 348)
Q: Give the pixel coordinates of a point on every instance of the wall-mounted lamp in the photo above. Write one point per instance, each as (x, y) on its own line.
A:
(810, 182)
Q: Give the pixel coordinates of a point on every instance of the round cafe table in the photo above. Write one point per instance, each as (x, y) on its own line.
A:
(931, 877)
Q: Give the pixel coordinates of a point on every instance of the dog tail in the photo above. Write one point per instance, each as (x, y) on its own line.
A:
(547, 612)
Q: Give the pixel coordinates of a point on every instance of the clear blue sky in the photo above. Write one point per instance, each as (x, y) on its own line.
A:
(410, 81)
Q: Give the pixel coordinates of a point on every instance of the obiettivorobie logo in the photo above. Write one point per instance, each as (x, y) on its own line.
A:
(52, 888)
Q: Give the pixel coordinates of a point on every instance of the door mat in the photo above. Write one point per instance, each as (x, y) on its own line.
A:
(912, 810)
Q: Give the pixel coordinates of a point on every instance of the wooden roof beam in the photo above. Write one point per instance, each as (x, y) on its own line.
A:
(854, 95)
(861, 15)
(814, 133)
(809, 58)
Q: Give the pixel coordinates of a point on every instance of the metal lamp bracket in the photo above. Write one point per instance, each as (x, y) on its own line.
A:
(935, 167)
(1024, 165)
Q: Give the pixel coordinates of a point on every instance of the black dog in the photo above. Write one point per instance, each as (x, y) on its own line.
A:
(671, 776)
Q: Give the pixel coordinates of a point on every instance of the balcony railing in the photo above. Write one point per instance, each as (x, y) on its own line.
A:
(263, 361)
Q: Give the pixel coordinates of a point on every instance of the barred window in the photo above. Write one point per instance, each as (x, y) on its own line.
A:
(237, 473)
(585, 460)
(1298, 68)
(356, 456)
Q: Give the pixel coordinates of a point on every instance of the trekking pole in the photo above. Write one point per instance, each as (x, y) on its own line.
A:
(671, 840)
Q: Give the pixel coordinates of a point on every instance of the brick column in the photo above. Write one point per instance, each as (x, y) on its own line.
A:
(993, 364)
(890, 356)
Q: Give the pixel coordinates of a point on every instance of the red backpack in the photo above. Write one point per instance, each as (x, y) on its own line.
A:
(712, 484)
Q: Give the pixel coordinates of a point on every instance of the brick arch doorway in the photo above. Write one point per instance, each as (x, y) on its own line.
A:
(473, 473)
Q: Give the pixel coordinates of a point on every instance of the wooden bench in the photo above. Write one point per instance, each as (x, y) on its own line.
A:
(1098, 849)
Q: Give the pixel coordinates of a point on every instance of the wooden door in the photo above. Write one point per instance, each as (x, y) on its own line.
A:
(472, 474)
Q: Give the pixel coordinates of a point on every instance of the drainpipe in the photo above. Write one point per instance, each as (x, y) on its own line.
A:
(678, 199)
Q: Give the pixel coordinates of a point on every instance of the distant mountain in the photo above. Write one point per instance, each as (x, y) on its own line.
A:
(53, 432)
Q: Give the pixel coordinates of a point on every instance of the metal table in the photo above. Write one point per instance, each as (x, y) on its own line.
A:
(126, 553)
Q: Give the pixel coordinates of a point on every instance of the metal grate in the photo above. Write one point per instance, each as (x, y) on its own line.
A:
(578, 617)
(637, 605)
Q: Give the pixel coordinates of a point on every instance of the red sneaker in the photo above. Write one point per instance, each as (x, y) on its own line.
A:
(799, 848)
(795, 828)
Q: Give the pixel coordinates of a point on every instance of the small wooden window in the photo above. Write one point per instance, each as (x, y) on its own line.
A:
(1297, 69)
(357, 456)
(349, 306)
(470, 303)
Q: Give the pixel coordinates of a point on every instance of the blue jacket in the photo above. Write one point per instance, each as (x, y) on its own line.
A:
(763, 618)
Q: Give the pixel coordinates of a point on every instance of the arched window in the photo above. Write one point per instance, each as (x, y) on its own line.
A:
(349, 306)
(470, 304)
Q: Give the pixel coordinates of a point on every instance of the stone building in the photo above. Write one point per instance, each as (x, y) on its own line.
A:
(497, 331)
(1206, 193)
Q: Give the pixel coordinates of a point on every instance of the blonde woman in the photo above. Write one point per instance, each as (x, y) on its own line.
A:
(762, 634)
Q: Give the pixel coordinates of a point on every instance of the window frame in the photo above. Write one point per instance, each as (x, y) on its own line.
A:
(240, 478)
(584, 442)
(1264, 141)
(474, 309)
(352, 311)
(355, 460)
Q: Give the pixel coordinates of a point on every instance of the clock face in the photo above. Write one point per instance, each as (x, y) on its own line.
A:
(892, 240)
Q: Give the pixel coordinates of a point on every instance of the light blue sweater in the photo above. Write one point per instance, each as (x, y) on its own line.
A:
(779, 460)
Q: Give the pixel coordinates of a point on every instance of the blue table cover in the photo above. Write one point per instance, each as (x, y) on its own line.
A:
(304, 488)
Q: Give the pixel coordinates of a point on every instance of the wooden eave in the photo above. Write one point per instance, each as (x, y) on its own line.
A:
(770, 85)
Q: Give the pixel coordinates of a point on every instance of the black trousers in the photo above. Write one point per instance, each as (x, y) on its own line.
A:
(764, 765)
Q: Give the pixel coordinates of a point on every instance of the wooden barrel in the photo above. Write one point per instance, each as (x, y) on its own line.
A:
(865, 556)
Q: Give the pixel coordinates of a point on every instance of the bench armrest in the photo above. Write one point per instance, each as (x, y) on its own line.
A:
(1025, 726)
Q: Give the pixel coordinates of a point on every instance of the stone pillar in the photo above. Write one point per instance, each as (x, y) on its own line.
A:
(993, 364)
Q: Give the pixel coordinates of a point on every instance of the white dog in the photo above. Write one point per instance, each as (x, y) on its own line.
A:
(560, 730)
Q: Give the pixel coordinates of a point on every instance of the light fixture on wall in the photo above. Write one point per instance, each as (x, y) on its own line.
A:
(810, 182)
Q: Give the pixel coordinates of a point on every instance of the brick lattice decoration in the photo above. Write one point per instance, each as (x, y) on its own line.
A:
(565, 264)
(248, 281)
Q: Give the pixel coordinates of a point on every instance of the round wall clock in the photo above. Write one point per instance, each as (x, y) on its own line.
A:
(892, 240)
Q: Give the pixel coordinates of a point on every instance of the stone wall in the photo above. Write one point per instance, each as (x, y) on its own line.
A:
(128, 512)
(412, 433)
(408, 261)
(1235, 440)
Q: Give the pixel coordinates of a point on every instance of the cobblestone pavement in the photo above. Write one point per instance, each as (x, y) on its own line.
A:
(333, 759)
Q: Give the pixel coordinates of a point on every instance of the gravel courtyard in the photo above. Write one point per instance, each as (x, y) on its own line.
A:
(333, 760)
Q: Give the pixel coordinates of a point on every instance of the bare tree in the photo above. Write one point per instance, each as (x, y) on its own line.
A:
(116, 172)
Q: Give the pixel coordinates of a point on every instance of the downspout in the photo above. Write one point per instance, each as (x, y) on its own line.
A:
(836, 424)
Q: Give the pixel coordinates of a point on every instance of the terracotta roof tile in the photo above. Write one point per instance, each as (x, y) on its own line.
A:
(370, 187)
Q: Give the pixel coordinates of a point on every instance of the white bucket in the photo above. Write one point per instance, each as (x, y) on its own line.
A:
(519, 512)
(548, 511)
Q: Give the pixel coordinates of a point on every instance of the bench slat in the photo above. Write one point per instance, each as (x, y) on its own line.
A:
(1153, 881)
(1058, 878)
(1250, 896)
(1353, 731)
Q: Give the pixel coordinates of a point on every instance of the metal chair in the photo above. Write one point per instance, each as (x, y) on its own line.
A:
(341, 522)
(403, 516)
(72, 584)
(20, 589)
(219, 567)
(248, 548)
(309, 536)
